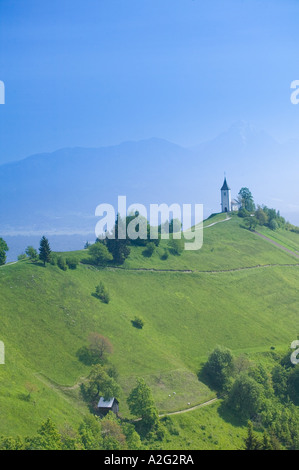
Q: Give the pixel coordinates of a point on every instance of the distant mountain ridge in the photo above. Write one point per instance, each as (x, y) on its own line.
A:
(59, 191)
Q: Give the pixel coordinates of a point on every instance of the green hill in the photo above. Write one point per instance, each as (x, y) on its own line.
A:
(239, 291)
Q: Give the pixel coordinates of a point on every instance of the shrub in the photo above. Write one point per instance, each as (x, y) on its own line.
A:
(245, 397)
(53, 259)
(102, 293)
(165, 254)
(61, 263)
(243, 213)
(150, 248)
(97, 351)
(72, 263)
(31, 253)
(138, 322)
(99, 253)
(219, 367)
(273, 225)
(176, 246)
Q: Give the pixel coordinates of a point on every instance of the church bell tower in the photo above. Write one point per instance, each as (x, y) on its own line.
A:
(226, 200)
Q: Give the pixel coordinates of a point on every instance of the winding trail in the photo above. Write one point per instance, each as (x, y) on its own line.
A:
(8, 264)
(293, 253)
(201, 405)
(194, 271)
(61, 390)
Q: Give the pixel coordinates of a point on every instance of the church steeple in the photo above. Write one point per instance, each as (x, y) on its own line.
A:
(226, 201)
(225, 186)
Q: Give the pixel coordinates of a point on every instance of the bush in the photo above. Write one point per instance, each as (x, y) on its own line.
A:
(97, 351)
(53, 259)
(245, 397)
(176, 246)
(138, 322)
(22, 256)
(61, 263)
(99, 253)
(102, 293)
(150, 248)
(219, 367)
(273, 225)
(165, 254)
(31, 253)
(243, 213)
(72, 263)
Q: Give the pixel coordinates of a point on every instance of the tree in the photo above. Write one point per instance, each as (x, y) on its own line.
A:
(141, 404)
(251, 222)
(219, 366)
(31, 253)
(251, 441)
(47, 438)
(99, 346)
(245, 397)
(97, 350)
(246, 199)
(118, 247)
(12, 443)
(61, 263)
(99, 253)
(280, 381)
(176, 246)
(44, 251)
(3, 249)
(293, 384)
(113, 435)
(90, 433)
(261, 216)
(100, 384)
(273, 225)
(132, 437)
(102, 293)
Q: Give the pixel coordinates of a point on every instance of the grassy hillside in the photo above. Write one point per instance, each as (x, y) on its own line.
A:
(238, 291)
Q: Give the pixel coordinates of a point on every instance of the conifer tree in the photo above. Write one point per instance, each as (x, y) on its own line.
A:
(44, 251)
(251, 441)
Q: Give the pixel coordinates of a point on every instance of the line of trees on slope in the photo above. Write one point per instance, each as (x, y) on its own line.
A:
(112, 248)
(92, 434)
(269, 399)
(260, 215)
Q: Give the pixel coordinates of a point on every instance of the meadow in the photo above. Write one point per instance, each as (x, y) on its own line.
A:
(238, 291)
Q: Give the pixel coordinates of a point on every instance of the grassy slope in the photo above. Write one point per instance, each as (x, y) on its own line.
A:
(46, 315)
(287, 239)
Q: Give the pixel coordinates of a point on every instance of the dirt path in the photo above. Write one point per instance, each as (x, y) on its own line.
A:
(209, 402)
(194, 271)
(219, 221)
(8, 264)
(293, 253)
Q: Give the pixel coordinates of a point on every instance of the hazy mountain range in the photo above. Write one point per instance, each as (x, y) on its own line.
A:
(58, 192)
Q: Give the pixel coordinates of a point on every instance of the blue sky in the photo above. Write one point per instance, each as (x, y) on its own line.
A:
(98, 72)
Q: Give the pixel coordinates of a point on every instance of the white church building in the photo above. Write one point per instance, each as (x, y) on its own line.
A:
(227, 203)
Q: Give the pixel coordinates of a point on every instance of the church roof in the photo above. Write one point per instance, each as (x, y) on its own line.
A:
(225, 186)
